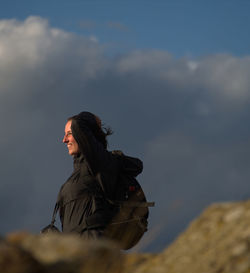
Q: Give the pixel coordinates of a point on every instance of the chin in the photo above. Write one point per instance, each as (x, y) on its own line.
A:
(72, 153)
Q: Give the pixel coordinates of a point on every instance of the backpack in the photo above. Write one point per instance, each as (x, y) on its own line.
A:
(131, 220)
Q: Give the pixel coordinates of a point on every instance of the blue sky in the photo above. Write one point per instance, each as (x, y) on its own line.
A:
(171, 78)
(192, 28)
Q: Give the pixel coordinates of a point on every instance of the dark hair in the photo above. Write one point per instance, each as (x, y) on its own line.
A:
(94, 123)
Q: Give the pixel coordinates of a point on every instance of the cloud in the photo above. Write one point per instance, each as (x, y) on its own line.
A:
(187, 119)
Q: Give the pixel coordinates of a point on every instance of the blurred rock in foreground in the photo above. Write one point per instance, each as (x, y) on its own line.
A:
(216, 242)
(26, 253)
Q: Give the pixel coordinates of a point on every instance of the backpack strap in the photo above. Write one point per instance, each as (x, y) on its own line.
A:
(93, 221)
(51, 228)
(54, 213)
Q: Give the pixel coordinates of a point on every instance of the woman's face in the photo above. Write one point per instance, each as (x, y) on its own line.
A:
(69, 140)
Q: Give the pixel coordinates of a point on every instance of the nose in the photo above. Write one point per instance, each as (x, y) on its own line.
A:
(65, 139)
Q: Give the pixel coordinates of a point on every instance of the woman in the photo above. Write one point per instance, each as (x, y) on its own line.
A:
(83, 199)
(91, 196)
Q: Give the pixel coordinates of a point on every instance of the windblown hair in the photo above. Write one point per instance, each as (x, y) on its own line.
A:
(94, 123)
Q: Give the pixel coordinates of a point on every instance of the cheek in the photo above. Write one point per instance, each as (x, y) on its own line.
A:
(75, 143)
(72, 140)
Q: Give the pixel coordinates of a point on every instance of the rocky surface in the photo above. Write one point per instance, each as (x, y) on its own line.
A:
(216, 242)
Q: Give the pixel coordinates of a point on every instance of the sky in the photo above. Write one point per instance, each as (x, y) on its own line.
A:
(172, 80)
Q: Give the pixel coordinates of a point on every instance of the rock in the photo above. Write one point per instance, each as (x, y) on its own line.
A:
(216, 242)
(69, 253)
(14, 259)
(133, 261)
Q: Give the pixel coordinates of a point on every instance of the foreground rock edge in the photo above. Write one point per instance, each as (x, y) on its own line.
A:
(218, 241)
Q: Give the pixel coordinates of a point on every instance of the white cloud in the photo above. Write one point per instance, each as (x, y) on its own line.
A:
(31, 51)
(226, 77)
(192, 65)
